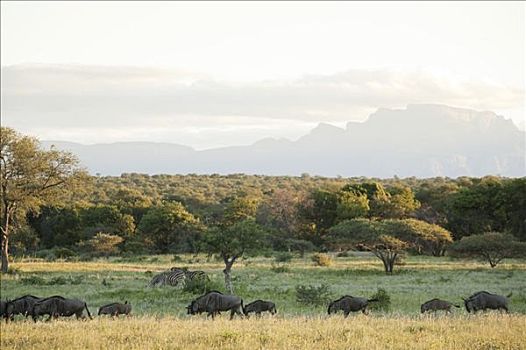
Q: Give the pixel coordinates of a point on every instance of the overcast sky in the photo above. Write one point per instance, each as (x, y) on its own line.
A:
(216, 74)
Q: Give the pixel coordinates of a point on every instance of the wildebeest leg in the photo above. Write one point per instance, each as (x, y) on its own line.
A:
(364, 311)
(346, 313)
(232, 313)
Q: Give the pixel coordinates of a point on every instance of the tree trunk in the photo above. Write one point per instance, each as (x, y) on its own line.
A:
(5, 245)
(226, 271)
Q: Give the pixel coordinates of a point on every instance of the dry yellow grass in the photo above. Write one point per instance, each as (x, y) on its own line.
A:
(490, 331)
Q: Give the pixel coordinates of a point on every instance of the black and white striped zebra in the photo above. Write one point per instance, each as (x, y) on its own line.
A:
(169, 278)
(191, 275)
(195, 275)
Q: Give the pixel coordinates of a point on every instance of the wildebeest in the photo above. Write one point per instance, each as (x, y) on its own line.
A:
(115, 309)
(437, 304)
(349, 303)
(3, 309)
(259, 306)
(484, 300)
(56, 306)
(20, 306)
(214, 302)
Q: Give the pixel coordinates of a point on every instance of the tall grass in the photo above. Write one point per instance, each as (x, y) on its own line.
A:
(491, 331)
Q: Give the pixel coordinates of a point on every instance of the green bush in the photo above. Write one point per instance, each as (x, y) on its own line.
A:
(279, 268)
(283, 257)
(322, 259)
(63, 253)
(313, 295)
(202, 285)
(33, 280)
(384, 300)
(344, 254)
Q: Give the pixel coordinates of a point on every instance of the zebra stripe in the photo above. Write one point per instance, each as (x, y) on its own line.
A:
(170, 278)
(193, 275)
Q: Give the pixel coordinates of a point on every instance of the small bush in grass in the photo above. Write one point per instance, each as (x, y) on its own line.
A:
(344, 254)
(313, 295)
(322, 259)
(64, 253)
(384, 300)
(202, 285)
(177, 258)
(283, 257)
(279, 268)
(33, 280)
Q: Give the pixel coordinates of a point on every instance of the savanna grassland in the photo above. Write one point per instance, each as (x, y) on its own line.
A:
(160, 321)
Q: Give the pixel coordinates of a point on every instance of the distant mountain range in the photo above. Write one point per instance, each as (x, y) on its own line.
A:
(421, 140)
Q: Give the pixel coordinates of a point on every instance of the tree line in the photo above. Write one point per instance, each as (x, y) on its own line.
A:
(50, 202)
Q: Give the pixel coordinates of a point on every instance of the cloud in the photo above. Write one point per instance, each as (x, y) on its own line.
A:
(67, 97)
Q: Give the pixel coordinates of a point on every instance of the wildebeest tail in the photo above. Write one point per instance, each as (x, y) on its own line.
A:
(87, 310)
(373, 299)
(509, 295)
(456, 305)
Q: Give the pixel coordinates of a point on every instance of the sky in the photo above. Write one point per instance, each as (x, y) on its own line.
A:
(228, 73)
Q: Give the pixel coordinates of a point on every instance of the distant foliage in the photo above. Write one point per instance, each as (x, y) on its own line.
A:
(321, 259)
(313, 295)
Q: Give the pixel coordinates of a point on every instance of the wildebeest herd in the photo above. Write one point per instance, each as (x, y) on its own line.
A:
(214, 302)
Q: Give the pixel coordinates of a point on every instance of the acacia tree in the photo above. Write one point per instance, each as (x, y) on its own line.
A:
(234, 241)
(30, 177)
(492, 247)
(371, 235)
(424, 237)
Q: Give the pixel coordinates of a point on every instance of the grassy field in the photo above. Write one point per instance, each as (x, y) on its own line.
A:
(160, 315)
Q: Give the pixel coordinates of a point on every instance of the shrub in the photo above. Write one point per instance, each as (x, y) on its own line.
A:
(279, 268)
(344, 254)
(202, 285)
(313, 295)
(384, 300)
(283, 257)
(63, 253)
(33, 280)
(102, 244)
(322, 259)
(177, 258)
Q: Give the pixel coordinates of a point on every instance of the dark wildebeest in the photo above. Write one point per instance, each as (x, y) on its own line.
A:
(20, 306)
(437, 304)
(214, 302)
(484, 300)
(349, 303)
(56, 306)
(116, 309)
(3, 309)
(259, 306)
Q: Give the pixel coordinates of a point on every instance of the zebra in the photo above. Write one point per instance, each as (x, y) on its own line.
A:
(191, 275)
(195, 275)
(170, 278)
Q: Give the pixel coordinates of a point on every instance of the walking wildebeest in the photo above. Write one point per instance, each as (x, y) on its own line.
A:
(3, 309)
(437, 304)
(56, 306)
(484, 300)
(259, 306)
(214, 302)
(115, 309)
(20, 306)
(349, 303)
